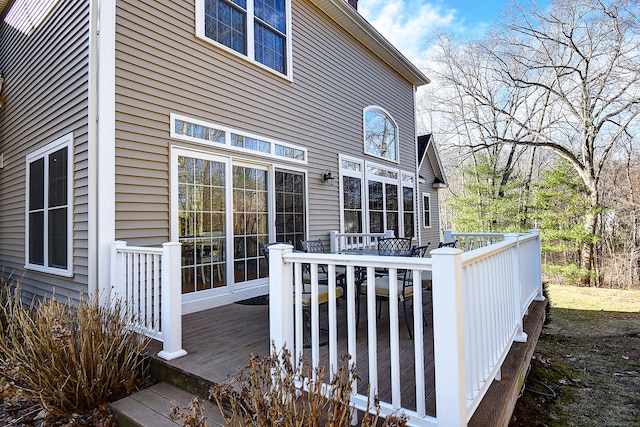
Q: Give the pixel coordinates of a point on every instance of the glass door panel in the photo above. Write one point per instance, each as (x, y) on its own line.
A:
(392, 209)
(202, 228)
(376, 207)
(352, 195)
(250, 217)
(290, 207)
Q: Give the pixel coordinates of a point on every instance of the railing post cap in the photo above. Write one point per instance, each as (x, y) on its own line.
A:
(446, 251)
(171, 244)
(281, 246)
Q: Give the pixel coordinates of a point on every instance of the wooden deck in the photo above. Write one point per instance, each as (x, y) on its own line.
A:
(218, 342)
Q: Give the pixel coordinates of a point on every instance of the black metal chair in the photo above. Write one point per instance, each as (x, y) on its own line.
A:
(323, 296)
(317, 246)
(404, 292)
(394, 246)
(452, 244)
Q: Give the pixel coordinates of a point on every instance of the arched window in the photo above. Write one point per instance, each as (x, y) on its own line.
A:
(380, 134)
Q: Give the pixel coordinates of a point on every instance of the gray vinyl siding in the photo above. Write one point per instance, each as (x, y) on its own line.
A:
(429, 235)
(46, 75)
(161, 67)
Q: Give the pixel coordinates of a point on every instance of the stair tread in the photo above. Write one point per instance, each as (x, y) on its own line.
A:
(151, 406)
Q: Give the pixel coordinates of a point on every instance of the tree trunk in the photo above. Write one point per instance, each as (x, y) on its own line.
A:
(591, 227)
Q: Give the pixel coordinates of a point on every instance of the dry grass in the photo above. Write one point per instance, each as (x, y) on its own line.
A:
(600, 299)
(70, 360)
(589, 356)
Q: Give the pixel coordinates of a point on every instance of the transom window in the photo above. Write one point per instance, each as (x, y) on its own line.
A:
(257, 29)
(48, 230)
(380, 134)
(193, 130)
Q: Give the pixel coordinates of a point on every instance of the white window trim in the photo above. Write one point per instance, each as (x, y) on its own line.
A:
(364, 134)
(250, 39)
(227, 144)
(426, 196)
(65, 141)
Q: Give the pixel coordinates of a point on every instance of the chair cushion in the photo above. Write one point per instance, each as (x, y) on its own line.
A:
(382, 288)
(323, 295)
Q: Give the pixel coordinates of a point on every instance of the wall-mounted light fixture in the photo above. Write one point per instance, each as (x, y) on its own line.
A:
(327, 178)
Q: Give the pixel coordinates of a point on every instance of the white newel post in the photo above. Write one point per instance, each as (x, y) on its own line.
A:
(280, 298)
(448, 337)
(517, 284)
(538, 265)
(171, 300)
(117, 274)
(333, 241)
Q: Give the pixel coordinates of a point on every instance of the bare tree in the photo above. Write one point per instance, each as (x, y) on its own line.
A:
(455, 106)
(566, 79)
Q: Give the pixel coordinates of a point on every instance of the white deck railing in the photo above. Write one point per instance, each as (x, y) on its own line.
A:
(148, 281)
(479, 299)
(471, 241)
(347, 241)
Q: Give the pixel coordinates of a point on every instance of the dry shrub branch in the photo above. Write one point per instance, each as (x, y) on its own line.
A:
(69, 359)
(268, 392)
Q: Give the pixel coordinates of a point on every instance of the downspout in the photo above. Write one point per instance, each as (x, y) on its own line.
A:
(104, 147)
(416, 184)
(92, 279)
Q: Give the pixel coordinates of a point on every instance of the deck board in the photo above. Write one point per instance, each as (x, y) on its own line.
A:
(218, 342)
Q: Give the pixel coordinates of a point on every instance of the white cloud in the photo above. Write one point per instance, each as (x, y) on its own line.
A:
(409, 24)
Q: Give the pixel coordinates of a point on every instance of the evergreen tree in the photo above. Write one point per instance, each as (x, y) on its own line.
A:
(487, 203)
(560, 202)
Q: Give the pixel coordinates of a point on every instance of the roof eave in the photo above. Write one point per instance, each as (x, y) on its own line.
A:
(349, 19)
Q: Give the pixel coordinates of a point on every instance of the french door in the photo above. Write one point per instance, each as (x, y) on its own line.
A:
(223, 211)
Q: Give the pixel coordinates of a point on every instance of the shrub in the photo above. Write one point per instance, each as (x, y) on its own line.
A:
(70, 360)
(266, 393)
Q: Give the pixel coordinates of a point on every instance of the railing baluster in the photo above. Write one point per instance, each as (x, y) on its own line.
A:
(418, 342)
(372, 338)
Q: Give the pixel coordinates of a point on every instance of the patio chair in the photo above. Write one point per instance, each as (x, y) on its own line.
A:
(396, 246)
(323, 296)
(404, 292)
(392, 246)
(317, 246)
(452, 244)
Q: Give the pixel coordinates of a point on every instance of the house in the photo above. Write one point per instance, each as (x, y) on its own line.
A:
(218, 124)
(153, 147)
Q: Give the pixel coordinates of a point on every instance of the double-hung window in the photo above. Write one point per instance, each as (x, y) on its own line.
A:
(426, 206)
(257, 29)
(48, 211)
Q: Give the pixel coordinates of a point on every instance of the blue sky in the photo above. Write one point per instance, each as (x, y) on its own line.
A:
(409, 23)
